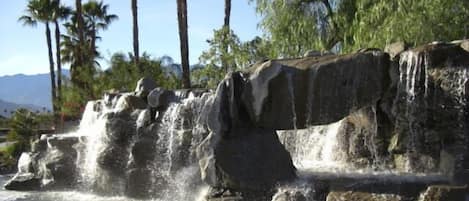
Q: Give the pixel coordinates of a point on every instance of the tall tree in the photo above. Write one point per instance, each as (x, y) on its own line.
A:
(60, 12)
(96, 18)
(184, 43)
(40, 11)
(82, 54)
(135, 35)
(80, 31)
(226, 35)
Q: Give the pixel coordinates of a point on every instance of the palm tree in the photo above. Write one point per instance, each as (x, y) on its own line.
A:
(135, 34)
(184, 43)
(82, 53)
(226, 31)
(96, 17)
(60, 12)
(40, 11)
(80, 31)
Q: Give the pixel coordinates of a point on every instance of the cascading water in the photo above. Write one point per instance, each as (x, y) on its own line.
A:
(181, 130)
(173, 170)
(349, 145)
(353, 144)
(314, 148)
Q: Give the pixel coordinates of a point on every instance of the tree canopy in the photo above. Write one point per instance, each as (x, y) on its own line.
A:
(296, 26)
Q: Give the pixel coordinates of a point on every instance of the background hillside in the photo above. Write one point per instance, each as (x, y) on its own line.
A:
(31, 91)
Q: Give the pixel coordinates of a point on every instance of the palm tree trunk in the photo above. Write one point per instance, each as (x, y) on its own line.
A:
(59, 62)
(92, 48)
(182, 22)
(226, 28)
(81, 36)
(227, 13)
(51, 68)
(59, 76)
(135, 32)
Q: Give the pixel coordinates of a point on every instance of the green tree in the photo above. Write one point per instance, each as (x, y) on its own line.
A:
(96, 18)
(184, 42)
(23, 126)
(41, 11)
(382, 22)
(295, 26)
(240, 55)
(82, 54)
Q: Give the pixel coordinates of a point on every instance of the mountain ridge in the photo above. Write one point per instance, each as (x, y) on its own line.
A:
(33, 90)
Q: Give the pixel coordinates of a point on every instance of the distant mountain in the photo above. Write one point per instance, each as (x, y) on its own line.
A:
(6, 108)
(31, 90)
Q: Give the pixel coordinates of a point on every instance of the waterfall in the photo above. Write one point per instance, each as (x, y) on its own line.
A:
(109, 133)
(181, 130)
(424, 92)
(314, 148)
(92, 130)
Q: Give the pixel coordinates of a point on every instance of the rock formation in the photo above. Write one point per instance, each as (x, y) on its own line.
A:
(406, 113)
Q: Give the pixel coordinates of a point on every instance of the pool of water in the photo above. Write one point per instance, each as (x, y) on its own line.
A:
(6, 195)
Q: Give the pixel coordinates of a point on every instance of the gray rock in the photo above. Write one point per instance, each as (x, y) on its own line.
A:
(63, 143)
(139, 183)
(465, 45)
(252, 159)
(312, 53)
(114, 160)
(444, 193)
(144, 86)
(143, 152)
(295, 88)
(128, 103)
(394, 49)
(39, 145)
(24, 182)
(160, 98)
(361, 196)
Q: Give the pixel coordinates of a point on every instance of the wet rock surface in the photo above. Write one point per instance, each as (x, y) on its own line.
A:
(361, 196)
(445, 192)
(312, 90)
(51, 165)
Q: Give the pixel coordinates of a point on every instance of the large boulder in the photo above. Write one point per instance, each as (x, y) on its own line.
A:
(243, 151)
(252, 159)
(51, 165)
(429, 112)
(312, 90)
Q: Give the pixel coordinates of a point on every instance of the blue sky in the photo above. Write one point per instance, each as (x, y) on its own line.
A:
(24, 49)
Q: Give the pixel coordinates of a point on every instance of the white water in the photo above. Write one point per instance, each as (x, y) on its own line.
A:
(180, 130)
(314, 148)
